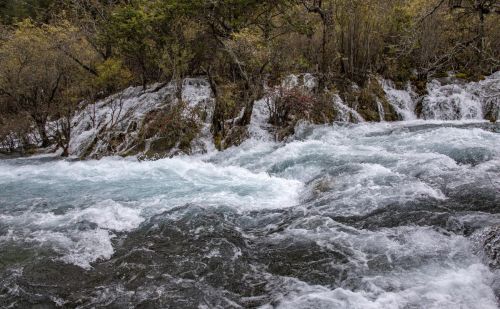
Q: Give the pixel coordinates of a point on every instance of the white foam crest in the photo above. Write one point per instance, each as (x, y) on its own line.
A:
(106, 214)
(210, 185)
(80, 248)
(424, 269)
(94, 171)
(186, 179)
(438, 289)
(61, 233)
(364, 166)
(382, 163)
(251, 154)
(373, 187)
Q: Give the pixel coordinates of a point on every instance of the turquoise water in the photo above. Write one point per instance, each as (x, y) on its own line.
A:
(343, 216)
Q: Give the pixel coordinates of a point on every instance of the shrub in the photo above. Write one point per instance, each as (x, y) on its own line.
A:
(292, 105)
(289, 105)
(174, 127)
(15, 133)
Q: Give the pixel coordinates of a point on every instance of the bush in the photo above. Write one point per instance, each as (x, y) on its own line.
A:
(112, 75)
(293, 105)
(15, 133)
(289, 105)
(174, 127)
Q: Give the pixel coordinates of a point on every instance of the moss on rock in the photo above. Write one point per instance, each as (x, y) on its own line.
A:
(366, 101)
(235, 136)
(169, 130)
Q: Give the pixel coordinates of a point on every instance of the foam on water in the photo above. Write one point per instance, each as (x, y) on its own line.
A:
(79, 248)
(456, 288)
(340, 216)
(107, 214)
(451, 102)
(135, 191)
(427, 270)
(372, 165)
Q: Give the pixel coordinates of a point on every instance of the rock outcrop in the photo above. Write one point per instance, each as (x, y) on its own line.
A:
(154, 122)
(123, 124)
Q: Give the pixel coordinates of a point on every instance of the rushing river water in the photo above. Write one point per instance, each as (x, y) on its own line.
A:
(387, 215)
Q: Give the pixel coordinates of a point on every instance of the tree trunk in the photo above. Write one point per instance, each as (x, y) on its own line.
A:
(481, 31)
(178, 88)
(65, 153)
(252, 93)
(247, 113)
(43, 132)
(65, 134)
(324, 62)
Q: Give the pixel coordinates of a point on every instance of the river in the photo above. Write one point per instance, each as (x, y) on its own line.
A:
(368, 215)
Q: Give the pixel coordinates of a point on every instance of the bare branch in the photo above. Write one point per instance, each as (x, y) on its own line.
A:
(432, 11)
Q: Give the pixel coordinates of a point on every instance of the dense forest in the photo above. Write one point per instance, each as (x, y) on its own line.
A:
(57, 56)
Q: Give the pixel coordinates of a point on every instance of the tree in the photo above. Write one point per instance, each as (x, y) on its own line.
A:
(12, 11)
(481, 8)
(224, 28)
(132, 35)
(40, 77)
(456, 35)
(325, 10)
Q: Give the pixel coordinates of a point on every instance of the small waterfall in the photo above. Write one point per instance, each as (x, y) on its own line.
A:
(99, 123)
(451, 102)
(306, 81)
(198, 94)
(344, 112)
(403, 101)
(310, 81)
(117, 119)
(381, 112)
(489, 92)
(259, 127)
(448, 99)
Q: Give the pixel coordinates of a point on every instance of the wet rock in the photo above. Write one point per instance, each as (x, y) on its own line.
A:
(115, 126)
(488, 243)
(235, 136)
(371, 102)
(305, 260)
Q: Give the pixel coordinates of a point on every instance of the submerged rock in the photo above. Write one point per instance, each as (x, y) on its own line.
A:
(487, 243)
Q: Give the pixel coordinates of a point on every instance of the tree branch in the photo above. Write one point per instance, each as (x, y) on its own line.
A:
(431, 12)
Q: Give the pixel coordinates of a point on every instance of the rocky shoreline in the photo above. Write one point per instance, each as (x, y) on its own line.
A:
(154, 122)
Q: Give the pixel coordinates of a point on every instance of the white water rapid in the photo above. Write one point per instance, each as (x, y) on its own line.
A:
(386, 215)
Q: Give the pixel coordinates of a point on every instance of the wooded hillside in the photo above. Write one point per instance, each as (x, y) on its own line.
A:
(57, 55)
